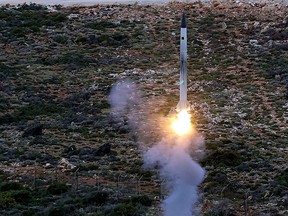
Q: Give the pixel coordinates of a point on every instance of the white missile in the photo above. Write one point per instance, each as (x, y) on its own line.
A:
(183, 103)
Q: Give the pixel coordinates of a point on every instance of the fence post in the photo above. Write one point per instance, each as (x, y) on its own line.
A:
(56, 174)
(34, 179)
(98, 180)
(14, 171)
(76, 179)
(118, 180)
(161, 189)
(138, 185)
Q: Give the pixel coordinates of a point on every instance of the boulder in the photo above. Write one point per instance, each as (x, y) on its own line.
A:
(103, 150)
(33, 130)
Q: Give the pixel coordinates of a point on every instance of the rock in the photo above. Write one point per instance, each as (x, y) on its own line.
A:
(124, 129)
(89, 157)
(285, 201)
(33, 130)
(85, 151)
(28, 97)
(48, 166)
(255, 47)
(69, 149)
(73, 67)
(30, 155)
(77, 98)
(103, 150)
(65, 165)
(73, 16)
(283, 46)
(92, 38)
(220, 177)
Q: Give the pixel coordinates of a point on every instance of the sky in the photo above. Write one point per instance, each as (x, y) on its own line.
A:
(81, 2)
(94, 2)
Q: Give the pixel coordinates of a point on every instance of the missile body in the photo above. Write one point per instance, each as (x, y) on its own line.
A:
(183, 103)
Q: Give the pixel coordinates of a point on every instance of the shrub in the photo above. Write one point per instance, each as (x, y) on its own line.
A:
(60, 39)
(57, 188)
(11, 186)
(31, 110)
(6, 201)
(7, 71)
(31, 6)
(57, 211)
(22, 196)
(29, 212)
(126, 210)
(223, 158)
(20, 21)
(142, 199)
(97, 198)
(283, 179)
(6, 119)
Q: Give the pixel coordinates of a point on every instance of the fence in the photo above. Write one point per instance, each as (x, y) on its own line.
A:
(122, 184)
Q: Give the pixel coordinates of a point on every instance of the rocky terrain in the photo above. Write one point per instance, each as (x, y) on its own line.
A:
(61, 153)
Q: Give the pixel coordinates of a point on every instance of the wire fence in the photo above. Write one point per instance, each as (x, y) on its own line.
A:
(122, 184)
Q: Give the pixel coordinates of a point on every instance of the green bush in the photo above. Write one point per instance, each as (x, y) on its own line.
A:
(60, 39)
(22, 196)
(6, 201)
(31, 7)
(87, 167)
(142, 199)
(283, 179)
(25, 19)
(223, 158)
(57, 211)
(11, 186)
(126, 210)
(29, 212)
(57, 188)
(97, 198)
(7, 71)
(77, 59)
(6, 119)
(30, 111)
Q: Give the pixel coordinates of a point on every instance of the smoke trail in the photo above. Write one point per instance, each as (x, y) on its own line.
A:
(172, 154)
(179, 170)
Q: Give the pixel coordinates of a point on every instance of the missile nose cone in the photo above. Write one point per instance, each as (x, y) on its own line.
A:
(183, 22)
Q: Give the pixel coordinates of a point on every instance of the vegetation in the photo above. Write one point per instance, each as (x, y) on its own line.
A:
(57, 188)
(142, 199)
(57, 69)
(126, 210)
(26, 19)
(283, 179)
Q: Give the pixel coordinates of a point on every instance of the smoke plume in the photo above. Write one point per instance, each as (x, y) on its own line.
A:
(172, 154)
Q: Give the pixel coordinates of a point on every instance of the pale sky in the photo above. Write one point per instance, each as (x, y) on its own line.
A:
(94, 2)
(82, 2)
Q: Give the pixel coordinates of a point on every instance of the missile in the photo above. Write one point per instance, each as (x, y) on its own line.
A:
(183, 103)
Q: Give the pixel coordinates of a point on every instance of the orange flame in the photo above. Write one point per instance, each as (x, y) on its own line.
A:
(182, 124)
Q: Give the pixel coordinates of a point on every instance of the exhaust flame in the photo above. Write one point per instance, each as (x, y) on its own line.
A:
(182, 124)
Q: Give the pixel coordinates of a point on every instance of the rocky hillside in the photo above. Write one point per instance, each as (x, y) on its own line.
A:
(61, 153)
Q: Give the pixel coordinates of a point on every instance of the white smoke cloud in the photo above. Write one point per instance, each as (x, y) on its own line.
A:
(182, 174)
(124, 99)
(172, 154)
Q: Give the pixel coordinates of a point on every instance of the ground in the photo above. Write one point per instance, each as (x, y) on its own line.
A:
(62, 153)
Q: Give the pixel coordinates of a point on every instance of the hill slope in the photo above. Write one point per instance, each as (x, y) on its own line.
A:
(57, 68)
